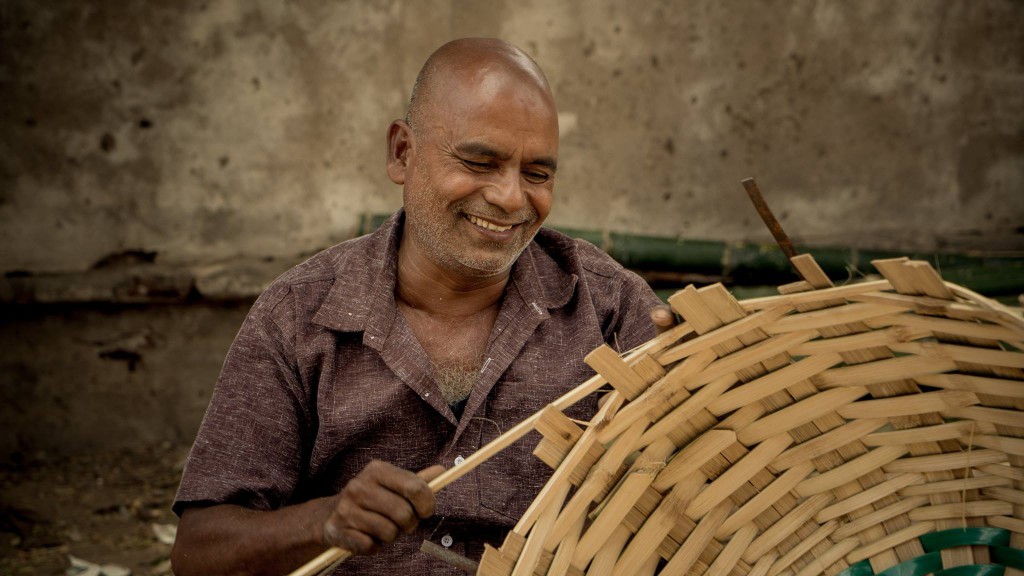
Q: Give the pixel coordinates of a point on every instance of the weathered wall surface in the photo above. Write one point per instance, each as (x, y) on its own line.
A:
(204, 131)
(204, 134)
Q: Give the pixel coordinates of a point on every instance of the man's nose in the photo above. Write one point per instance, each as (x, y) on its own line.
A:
(507, 192)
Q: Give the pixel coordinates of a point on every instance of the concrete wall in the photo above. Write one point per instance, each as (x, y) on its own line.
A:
(198, 135)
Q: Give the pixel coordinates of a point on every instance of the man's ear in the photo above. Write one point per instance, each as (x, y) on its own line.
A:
(399, 148)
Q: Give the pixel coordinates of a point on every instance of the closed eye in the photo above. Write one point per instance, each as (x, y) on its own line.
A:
(536, 177)
(477, 166)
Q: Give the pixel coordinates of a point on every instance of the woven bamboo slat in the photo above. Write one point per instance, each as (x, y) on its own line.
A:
(863, 429)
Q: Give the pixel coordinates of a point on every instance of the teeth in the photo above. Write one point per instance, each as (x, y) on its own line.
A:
(485, 224)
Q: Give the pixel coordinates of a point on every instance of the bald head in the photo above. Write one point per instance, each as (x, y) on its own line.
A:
(486, 63)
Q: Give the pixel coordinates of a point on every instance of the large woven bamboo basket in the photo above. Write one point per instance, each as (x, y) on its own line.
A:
(873, 428)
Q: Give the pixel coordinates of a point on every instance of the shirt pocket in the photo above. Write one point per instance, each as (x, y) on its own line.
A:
(510, 480)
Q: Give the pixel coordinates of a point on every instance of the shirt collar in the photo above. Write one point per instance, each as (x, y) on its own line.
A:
(362, 297)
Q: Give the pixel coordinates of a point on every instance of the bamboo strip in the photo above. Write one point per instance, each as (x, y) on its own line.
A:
(764, 499)
(869, 496)
(690, 550)
(639, 477)
(579, 454)
(1009, 359)
(908, 405)
(827, 442)
(659, 397)
(724, 334)
(693, 456)
(964, 328)
(882, 371)
(951, 430)
(729, 557)
(530, 555)
(661, 522)
(821, 295)
(602, 477)
(1005, 494)
(888, 542)
(977, 384)
(786, 526)
(808, 268)
(771, 383)
(643, 508)
(494, 563)
(927, 279)
(1007, 316)
(1007, 523)
(859, 341)
(649, 568)
(892, 269)
(688, 410)
(689, 304)
(961, 509)
(1013, 446)
(803, 547)
(500, 562)
(749, 356)
(995, 416)
(797, 414)
(607, 363)
(875, 518)
(649, 369)
(829, 317)
(607, 556)
(559, 436)
(1004, 471)
(737, 475)
(821, 563)
(561, 565)
(763, 565)
(949, 461)
(958, 485)
(928, 306)
(850, 471)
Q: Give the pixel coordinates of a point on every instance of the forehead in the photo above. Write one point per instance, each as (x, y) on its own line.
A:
(504, 110)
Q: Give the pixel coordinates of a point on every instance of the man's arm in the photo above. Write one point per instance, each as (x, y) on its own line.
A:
(380, 503)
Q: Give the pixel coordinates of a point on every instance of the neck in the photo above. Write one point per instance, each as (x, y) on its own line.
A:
(427, 287)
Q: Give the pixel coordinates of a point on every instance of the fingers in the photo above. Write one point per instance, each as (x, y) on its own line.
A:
(663, 318)
(428, 474)
(377, 505)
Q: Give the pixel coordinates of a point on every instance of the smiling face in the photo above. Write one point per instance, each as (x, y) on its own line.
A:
(479, 168)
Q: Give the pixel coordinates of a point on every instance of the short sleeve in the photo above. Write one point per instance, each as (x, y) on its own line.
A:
(251, 444)
(629, 323)
(622, 299)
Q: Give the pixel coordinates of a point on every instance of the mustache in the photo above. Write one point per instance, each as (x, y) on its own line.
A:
(490, 211)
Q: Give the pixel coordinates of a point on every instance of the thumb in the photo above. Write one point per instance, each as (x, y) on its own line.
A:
(428, 474)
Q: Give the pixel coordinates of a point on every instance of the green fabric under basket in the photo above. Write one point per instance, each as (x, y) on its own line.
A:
(997, 539)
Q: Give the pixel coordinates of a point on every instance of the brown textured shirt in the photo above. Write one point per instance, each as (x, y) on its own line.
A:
(325, 375)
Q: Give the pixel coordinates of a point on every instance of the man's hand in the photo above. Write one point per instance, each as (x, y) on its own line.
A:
(663, 318)
(377, 505)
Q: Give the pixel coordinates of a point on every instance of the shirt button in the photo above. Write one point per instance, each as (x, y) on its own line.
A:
(447, 541)
(459, 460)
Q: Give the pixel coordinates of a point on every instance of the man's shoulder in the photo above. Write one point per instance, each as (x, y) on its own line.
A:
(577, 255)
(315, 277)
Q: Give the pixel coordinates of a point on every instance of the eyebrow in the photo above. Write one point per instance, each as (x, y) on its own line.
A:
(481, 149)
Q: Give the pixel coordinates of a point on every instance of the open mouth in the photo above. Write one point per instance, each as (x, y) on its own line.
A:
(487, 225)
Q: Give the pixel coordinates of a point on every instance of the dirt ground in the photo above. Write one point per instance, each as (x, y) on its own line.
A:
(102, 508)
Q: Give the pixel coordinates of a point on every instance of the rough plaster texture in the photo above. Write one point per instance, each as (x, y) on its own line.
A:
(207, 133)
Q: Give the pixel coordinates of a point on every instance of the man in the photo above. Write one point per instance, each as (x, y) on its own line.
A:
(406, 349)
